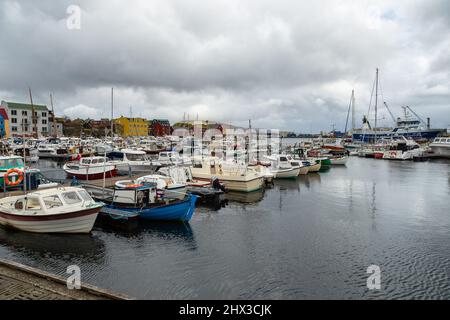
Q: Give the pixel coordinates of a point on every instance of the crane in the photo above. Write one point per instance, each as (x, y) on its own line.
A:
(392, 116)
(421, 120)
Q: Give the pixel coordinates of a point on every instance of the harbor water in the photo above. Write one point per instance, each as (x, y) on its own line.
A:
(309, 238)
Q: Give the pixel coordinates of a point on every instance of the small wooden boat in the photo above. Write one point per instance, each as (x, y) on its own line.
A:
(339, 160)
(312, 166)
(57, 210)
(142, 201)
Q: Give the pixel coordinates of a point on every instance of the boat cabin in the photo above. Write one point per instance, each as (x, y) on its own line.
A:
(49, 201)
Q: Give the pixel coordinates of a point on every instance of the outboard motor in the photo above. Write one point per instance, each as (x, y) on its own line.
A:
(216, 184)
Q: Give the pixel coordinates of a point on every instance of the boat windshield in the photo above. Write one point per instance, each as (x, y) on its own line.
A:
(135, 157)
(71, 197)
(33, 204)
(85, 195)
(52, 201)
(11, 163)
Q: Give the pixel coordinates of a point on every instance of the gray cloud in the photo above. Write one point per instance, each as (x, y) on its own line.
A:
(283, 64)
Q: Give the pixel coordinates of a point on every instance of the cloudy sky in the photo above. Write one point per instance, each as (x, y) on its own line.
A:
(284, 64)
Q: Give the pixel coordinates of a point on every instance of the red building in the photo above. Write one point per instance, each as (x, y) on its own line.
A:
(159, 128)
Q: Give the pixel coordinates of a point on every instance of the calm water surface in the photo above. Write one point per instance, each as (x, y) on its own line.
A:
(309, 238)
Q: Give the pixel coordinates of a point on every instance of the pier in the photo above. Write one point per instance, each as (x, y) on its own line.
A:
(20, 282)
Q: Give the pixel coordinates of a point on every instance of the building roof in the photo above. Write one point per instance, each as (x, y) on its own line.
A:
(161, 121)
(14, 105)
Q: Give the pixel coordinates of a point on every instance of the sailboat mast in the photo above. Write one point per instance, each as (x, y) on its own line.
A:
(376, 105)
(353, 111)
(54, 120)
(112, 112)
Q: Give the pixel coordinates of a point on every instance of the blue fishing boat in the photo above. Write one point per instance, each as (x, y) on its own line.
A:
(142, 201)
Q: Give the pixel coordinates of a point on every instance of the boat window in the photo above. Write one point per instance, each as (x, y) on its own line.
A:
(135, 157)
(52, 201)
(71, 197)
(33, 204)
(101, 160)
(85, 195)
(283, 159)
(86, 161)
(94, 161)
(19, 204)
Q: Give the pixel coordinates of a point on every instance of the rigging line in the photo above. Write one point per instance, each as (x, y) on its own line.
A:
(348, 112)
(371, 97)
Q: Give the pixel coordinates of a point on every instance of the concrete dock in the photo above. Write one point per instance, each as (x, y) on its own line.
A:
(20, 282)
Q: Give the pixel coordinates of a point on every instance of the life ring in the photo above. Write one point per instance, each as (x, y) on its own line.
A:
(128, 184)
(8, 173)
(393, 154)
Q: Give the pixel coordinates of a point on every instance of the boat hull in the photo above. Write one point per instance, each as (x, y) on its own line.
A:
(95, 176)
(75, 222)
(287, 173)
(314, 168)
(235, 184)
(339, 161)
(440, 151)
(178, 211)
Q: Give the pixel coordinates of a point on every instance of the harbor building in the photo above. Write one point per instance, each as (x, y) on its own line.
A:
(131, 127)
(23, 122)
(159, 128)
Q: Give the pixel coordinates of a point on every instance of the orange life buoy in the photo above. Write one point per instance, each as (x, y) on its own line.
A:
(133, 185)
(8, 173)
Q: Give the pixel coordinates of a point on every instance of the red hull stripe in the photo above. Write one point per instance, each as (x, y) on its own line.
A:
(95, 176)
(51, 217)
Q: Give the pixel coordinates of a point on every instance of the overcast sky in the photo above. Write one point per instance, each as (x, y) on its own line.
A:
(284, 64)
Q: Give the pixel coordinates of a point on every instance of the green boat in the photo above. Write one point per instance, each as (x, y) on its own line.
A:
(325, 164)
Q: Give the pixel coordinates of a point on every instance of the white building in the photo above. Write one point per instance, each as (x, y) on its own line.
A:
(21, 120)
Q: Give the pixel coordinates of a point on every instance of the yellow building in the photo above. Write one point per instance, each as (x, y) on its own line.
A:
(131, 127)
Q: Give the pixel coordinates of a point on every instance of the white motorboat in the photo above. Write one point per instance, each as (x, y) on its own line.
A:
(172, 158)
(136, 161)
(234, 176)
(402, 149)
(441, 147)
(298, 164)
(52, 151)
(56, 210)
(90, 168)
(282, 168)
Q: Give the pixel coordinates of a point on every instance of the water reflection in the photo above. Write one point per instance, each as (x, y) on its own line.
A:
(139, 230)
(66, 246)
(245, 197)
(288, 184)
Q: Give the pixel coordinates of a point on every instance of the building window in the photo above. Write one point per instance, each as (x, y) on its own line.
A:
(44, 129)
(44, 114)
(24, 113)
(13, 120)
(14, 129)
(14, 112)
(25, 121)
(44, 121)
